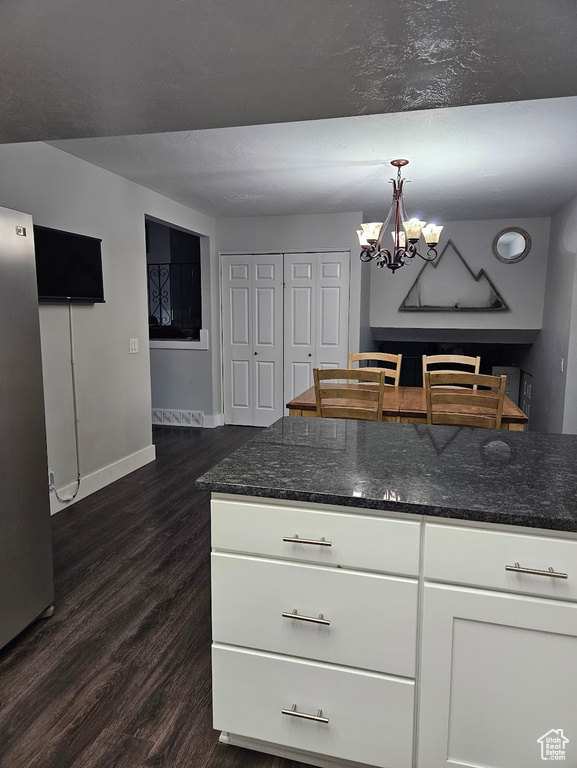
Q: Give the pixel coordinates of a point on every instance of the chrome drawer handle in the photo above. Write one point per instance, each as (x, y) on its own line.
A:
(536, 572)
(318, 718)
(297, 540)
(311, 619)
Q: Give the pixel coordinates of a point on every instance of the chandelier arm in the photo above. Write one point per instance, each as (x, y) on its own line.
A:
(385, 226)
(428, 257)
(366, 255)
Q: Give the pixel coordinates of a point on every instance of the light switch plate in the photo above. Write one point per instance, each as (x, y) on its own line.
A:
(133, 346)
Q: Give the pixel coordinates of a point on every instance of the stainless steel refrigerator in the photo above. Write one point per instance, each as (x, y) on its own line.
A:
(26, 581)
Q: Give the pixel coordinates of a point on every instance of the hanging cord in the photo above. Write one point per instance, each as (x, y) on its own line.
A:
(63, 499)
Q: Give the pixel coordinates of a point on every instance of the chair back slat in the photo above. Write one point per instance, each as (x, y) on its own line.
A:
(464, 360)
(350, 393)
(393, 373)
(360, 400)
(489, 401)
(459, 401)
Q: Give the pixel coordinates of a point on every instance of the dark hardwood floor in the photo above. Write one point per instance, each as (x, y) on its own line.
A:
(120, 676)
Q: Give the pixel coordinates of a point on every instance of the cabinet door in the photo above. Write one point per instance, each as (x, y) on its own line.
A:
(498, 674)
(252, 318)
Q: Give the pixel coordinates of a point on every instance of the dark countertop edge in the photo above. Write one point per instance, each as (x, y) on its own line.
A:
(476, 516)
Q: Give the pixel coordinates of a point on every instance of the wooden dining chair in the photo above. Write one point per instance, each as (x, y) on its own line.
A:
(464, 360)
(393, 373)
(355, 399)
(451, 401)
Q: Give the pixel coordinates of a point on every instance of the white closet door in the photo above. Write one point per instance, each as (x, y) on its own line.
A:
(267, 319)
(299, 322)
(332, 310)
(316, 316)
(237, 341)
(252, 316)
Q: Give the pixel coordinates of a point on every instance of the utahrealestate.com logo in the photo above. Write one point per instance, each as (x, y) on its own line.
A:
(553, 745)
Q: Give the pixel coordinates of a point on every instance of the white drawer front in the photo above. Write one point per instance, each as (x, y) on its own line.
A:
(370, 717)
(373, 618)
(478, 557)
(357, 541)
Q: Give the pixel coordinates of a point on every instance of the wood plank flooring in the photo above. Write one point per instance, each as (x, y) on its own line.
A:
(120, 676)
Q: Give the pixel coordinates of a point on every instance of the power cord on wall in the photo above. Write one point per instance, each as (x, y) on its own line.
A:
(51, 486)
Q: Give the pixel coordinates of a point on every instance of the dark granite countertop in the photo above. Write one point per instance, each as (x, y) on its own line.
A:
(514, 478)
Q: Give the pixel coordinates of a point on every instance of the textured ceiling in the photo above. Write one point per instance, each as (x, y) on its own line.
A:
(498, 160)
(82, 68)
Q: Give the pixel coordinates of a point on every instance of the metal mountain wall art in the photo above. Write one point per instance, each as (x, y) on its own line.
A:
(448, 284)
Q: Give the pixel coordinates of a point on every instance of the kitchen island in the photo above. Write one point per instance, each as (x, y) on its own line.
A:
(396, 595)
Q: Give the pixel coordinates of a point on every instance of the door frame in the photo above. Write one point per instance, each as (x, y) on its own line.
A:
(268, 251)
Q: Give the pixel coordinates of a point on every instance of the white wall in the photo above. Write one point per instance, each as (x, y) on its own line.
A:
(522, 285)
(114, 401)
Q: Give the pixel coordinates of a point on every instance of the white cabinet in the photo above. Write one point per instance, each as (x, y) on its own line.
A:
(489, 654)
(499, 672)
(252, 323)
(316, 316)
(301, 617)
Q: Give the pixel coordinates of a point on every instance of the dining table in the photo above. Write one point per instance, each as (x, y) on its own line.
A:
(407, 405)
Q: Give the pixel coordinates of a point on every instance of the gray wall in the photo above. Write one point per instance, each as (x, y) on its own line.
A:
(553, 391)
(568, 226)
(114, 401)
(522, 285)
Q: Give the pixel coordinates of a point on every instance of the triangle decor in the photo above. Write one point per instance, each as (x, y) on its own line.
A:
(448, 284)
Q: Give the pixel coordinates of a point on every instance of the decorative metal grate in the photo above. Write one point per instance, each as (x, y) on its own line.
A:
(174, 301)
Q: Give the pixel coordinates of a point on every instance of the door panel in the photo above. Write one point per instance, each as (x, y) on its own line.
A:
(240, 383)
(265, 330)
(265, 385)
(302, 321)
(239, 321)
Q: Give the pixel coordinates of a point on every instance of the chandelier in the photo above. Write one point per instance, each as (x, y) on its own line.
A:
(371, 235)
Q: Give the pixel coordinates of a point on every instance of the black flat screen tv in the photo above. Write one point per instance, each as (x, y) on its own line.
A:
(68, 266)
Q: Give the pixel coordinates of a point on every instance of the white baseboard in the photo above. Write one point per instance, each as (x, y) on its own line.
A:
(215, 420)
(103, 477)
